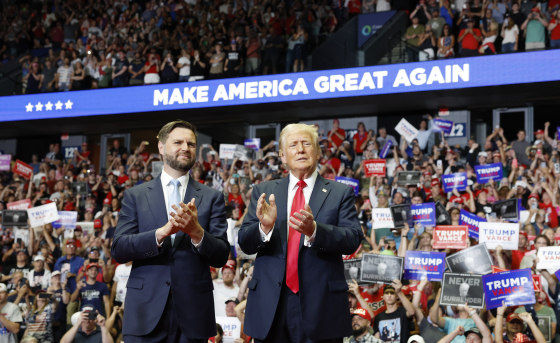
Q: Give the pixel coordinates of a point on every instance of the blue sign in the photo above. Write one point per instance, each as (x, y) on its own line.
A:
(424, 214)
(369, 23)
(513, 287)
(456, 180)
(472, 221)
(458, 73)
(253, 143)
(443, 125)
(459, 130)
(386, 148)
(424, 264)
(488, 172)
(355, 184)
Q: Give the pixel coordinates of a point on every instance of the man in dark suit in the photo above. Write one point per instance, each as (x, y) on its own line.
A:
(173, 229)
(298, 292)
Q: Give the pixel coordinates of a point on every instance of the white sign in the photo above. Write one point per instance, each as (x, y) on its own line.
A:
(227, 151)
(381, 218)
(86, 227)
(231, 327)
(494, 234)
(549, 258)
(42, 215)
(406, 130)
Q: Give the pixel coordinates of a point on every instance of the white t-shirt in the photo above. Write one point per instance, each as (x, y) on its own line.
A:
(509, 35)
(13, 314)
(221, 294)
(186, 68)
(122, 272)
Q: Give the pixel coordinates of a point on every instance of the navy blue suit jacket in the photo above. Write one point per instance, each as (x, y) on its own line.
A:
(181, 269)
(323, 297)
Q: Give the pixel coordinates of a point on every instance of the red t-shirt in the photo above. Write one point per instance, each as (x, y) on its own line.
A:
(555, 33)
(237, 200)
(551, 214)
(337, 140)
(360, 139)
(469, 42)
(375, 301)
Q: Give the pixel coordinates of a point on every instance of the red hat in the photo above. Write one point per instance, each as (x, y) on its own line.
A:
(106, 201)
(435, 182)
(230, 264)
(496, 154)
(534, 195)
(362, 313)
(78, 228)
(91, 265)
(478, 191)
(71, 241)
(456, 199)
(523, 233)
(513, 316)
(538, 132)
(97, 224)
(536, 9)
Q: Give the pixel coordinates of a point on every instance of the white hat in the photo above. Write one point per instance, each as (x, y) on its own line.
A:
(38, 258)
(483, 154)
(416, 338)
(3, 288)
(521, 184)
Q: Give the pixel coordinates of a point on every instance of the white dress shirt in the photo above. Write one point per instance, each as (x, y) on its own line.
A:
(168, 187)
(292, 189)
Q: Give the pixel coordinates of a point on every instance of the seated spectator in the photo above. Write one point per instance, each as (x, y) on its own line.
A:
(469, 39)
(446, 43)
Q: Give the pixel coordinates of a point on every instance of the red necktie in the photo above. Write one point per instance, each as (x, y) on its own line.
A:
(294, 237)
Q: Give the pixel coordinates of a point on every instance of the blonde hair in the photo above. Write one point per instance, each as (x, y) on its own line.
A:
(311, 130)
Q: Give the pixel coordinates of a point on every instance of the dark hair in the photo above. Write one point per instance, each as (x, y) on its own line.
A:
(167, 128)
(548, 243)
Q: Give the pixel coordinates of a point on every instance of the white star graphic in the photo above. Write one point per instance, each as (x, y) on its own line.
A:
(29, 107)
(48, 106)
(58, 105)
(39, 106)
(69, 104)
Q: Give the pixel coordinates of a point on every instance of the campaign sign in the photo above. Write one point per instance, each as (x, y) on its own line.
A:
(424, 214)
(252, 143)
(406, 178)
(381, 268)
(443, 125)
(454, 181)
(513, 287)
(549, 258)
(23, 169)
(374, 167)
(227, 151)
(472, 221)
(14, 218)
(442, 216)
(79, 188)
(231, 327)
(557, 274)
(424, 264)
(19, 205)
(355, 184)
(496, 269)
(401, 215)
(352, 269)
(67, 219)
(458, 289)
(450, 237)
(488, 172)
(382, 218)
(386, 148)
(545, 327)
(87, 227)
(537, 284)
(406, 130)
(42, 215)
(5, 162)
(504, 234)
(506, 209)
(473, 260)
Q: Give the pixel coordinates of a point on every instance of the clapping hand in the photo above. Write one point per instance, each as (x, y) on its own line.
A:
(266, 212)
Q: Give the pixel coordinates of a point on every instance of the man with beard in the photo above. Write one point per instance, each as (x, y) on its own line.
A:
(361, 323)
(173, 229)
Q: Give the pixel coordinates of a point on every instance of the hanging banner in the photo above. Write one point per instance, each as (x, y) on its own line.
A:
(424, 264)
(450, 237)
(513, 287)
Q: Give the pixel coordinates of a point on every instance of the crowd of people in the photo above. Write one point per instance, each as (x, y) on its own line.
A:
(60, 282)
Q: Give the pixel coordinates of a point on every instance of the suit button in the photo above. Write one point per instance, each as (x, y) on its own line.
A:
(279, 284)
(168, 283)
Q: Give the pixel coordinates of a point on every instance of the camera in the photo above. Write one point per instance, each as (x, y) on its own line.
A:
(92, 315)
(45, 295)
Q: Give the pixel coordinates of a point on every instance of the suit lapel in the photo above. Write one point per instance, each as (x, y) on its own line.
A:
(281, 194)
(156, 202)
(321, 190)
(193, 191)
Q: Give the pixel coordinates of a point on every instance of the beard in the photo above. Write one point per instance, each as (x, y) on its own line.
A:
(358, 330)
(174, 163)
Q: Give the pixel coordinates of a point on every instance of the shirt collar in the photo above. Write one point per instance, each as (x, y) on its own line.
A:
(310, 181)
(166, 178)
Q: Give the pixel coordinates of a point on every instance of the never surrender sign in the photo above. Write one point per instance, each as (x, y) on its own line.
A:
(424, 264)
(424, 214)
(473, 260)
(513, 287)
(374, 167)
(472, 221)
(450, 237)
(488, 172)
(381, 268)
(458, 289)
(454, 181)
(504, 234)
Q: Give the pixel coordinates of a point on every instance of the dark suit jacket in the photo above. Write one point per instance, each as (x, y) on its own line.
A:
(181, 269)
(323, 297)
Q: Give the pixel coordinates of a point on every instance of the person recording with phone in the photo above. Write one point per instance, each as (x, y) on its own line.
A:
(90, 327)
(39, 319)
(91, 292)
